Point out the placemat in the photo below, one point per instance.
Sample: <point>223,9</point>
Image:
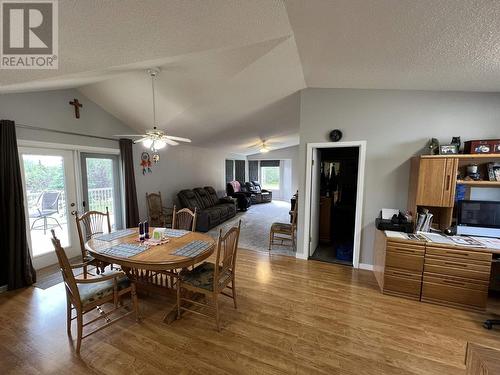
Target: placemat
<point>192,249</point>
<point>124,250</point>
<point>115,235</point>
<point>175,233</point>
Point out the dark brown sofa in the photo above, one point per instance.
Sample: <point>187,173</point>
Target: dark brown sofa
<point>211,209</point>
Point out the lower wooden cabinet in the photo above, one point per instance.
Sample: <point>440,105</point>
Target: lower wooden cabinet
<point>445,275</point>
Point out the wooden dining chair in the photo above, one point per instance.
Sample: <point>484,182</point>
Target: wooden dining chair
<point>90,224</point>
<point>158,215</point>
<point>184,219</point>
<point>211,279</point>
<point>284,232</point>
<point>86,295</point>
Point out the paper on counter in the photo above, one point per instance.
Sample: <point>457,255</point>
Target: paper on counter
<point>491,243</point>
<point>394,234</point>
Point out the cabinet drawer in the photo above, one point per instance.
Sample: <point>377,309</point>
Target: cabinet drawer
<point>453,294</point>
<point>402,283</point>
<point>456,281</point>
<point>398,259</point>
<point>457,267</point>
<point>410,248</point>
<point>459,254</point>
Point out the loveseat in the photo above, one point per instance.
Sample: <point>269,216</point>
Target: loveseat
<point>259,195</point>
<point>211,210</point>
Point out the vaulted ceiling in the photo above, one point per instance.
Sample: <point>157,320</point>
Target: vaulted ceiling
<point>231,70</point>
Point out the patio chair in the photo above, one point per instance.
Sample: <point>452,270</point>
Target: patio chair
<point>47,205</point>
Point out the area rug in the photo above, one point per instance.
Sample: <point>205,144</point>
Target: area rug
<point>255,225</point>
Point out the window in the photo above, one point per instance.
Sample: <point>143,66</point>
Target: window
<point>270,177</point>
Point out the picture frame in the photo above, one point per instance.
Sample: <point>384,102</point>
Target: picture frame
<point>448,149</point>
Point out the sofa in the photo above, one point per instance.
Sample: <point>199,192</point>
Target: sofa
<point>259,195</point>
<point>211,210</point>
<point>234,189</point>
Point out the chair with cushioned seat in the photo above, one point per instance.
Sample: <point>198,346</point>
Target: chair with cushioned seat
<point>284,232</point>
<point>86,295</point>
<point>211,279</point>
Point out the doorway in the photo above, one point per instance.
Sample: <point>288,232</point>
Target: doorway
<point>50,197</point>
<point>333,201</point>
<point>57,182</point>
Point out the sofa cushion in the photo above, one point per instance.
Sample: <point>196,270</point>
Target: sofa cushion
<point>189,199</point>
<point>213,215</point>
<point>212,195</point>
<point>203,197</point>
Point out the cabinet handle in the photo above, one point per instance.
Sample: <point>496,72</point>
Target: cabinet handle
<point>401,274</point>
<point>448,182</point>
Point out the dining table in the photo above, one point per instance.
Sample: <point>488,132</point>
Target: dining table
<point>153,266</point>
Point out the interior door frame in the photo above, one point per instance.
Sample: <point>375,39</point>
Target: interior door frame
<point>118,214</point>
<point>70,181</point>
<point>359,194</point>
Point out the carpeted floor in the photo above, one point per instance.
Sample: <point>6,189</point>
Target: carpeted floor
<point>255,225</point>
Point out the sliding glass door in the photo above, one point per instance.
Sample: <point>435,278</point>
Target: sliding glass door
<point>101,185</point>
<point>50,197</point>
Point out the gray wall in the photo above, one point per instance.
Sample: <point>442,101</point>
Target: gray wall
<point>180,167</point>
<point>396,125</point>
<point>291,153</point>
<point>50,110</point>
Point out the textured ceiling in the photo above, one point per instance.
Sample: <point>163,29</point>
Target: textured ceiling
<point>231,70</point>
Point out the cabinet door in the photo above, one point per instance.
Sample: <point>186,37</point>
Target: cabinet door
<point>436,182</point>
<point>450,182</point>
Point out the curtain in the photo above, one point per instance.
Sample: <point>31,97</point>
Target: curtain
<point>15,260</point>
<point>270,163</point>
<point>240,170</point>
<point>229,170</point>
<point>253,170</point>
<point>131,206</point>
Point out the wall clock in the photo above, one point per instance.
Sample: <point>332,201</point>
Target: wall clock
<point>335,135</point>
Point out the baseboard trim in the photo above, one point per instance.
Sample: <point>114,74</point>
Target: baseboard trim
<point>301,256</point>
<point>3,288</point>
<point>365,266</point>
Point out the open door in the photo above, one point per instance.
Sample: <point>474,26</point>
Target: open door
<point>315,190</point>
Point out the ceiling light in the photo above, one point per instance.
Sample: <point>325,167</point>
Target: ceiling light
<point>159,144</point>
<point>264,149</point>
<point>148,143</point>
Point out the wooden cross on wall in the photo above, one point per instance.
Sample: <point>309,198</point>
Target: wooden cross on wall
<point>75,103</point>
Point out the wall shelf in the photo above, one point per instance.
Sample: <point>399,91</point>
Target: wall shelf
<point>479,183</point>
<point>463,156</point>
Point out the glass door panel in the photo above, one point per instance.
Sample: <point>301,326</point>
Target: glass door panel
<point>49,185</point>
<point>101,186</point>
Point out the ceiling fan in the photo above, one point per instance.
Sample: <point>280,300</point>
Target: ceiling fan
<point>264,146</point>
<point>155,139</point>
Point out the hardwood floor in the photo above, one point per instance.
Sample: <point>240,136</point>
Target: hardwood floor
<point>293,317</point>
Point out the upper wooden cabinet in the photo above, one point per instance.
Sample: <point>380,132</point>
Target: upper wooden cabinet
<point>433,181</point>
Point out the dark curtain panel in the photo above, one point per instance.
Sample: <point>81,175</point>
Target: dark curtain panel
<point>253,170</point>
<point>229,170</point>
<point>270,163</point>
<point>240,170</point>
<point>131,207</point>
<point>15,260</point>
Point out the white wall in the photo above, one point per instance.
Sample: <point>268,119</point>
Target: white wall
<point>396,124</point>
<point>288,153</point>
<point>180,167</point>
<point>51,110</point>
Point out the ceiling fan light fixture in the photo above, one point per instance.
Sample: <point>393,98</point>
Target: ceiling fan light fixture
<point>148,143</point>
<point>263,150</point>
<point>159,144</point>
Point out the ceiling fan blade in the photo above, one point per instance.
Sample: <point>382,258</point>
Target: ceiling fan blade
<point>170,142</point>
<point>180,139</point>
<point>141,139</point>
<point>129,135</point>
